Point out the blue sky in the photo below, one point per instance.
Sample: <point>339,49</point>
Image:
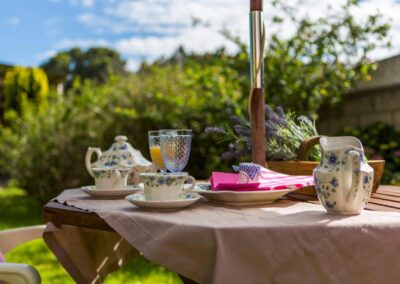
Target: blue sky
<point>33,30</point>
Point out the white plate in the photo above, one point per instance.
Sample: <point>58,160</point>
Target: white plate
<point>139,200</point>
<point>110,193</point>
<point>240,198</point>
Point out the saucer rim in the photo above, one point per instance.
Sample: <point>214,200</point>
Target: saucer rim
<point>127,188</point>
<point>195,197</point>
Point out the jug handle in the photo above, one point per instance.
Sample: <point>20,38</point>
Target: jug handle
<point>355,163</point>
<point>88,158</point>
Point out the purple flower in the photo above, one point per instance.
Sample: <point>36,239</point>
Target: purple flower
<point>215,130</point>
<point>237,119</point>
<point>242,131</point>
<point>397,154</point>
<point>332,159</point>
<point>280,112</point>
<point>334,182</point>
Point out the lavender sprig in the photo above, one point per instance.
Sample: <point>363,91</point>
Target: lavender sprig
<point>284,134</point>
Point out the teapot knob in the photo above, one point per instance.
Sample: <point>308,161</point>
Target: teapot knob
<point>121,139</point>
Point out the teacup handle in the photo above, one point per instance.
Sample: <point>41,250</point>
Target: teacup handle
<point>192,183</point>
<point>88,157</point>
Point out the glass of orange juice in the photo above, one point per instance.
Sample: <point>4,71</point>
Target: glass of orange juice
<point>155,149</point>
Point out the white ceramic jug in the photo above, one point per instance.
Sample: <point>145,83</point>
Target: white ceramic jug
<point>343,179</point>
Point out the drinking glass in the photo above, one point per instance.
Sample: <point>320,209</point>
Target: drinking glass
<point>175,148</point>
<point>155,150</point>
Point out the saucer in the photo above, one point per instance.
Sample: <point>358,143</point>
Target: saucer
<point>139,200</point>
<point>110,193</point>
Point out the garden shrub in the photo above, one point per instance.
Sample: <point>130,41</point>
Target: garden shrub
<point>44,151</point>
<point>381,141</point>
<point>22,85</point>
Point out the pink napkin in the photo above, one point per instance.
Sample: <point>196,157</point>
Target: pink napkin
<point>269,180</point>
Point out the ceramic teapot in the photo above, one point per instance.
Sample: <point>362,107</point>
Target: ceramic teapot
<point>343,179</point>
<point>121,155</point>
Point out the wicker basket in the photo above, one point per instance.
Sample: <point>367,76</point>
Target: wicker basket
<point>302,167</point>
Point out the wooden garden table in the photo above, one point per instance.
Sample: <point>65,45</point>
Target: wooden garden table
<point>61,216</point>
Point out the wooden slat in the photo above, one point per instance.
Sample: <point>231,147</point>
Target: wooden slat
<point>376,207</point>
<point>391,190</point>
<point>61,214</point>
<point>392,204</point>
<point>386,197</point>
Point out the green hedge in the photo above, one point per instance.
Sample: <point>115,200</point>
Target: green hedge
<point>381,141</point>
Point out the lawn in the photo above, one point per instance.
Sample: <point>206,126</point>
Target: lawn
<point>18,209</point>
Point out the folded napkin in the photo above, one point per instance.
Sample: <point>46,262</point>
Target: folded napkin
<point>267,180</point>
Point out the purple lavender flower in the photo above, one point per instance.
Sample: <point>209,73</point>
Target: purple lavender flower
<point>229,155</point>
<point>303,118</point>
<point>280,112</point>
<point>268,112</point>
<point>237,120</point>
<point>270,127</point>
<point>242,131</point>
<point>215,130</point>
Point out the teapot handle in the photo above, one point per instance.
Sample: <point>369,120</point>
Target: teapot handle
<point>355,168</point>
<point>88,158</point>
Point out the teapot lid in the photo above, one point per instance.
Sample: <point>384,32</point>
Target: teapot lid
<point>119,155</point>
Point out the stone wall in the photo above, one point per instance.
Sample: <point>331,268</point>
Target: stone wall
<point>377,100</point>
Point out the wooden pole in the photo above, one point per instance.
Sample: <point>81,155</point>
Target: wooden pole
<point>257,99</point>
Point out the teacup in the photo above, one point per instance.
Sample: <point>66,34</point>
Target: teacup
<point>166,186</point>
<point>110,178</point>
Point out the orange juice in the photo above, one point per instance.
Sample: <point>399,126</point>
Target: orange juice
<point>156,156</point>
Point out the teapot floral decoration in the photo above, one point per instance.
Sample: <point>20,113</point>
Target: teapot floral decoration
<point>121,155</point>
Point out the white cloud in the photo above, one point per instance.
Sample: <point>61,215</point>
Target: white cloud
<point>152,28</point>
<point>84,3</point>
<point>192,39</point>
<point>13,21</point>
<point>88,3</point>
<point>82,43</point>
<point>45,55</point>
<point>133,64</point>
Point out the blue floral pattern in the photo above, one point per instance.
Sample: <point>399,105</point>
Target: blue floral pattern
<point>121,155</point>
<point>159,179</point>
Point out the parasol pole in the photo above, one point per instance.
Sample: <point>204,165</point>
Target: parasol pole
<point>256,99</point>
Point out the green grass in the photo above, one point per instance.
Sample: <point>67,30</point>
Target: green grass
<point>18,210</point>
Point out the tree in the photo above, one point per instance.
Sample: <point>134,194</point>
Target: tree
<point>324,58</point>
<point>97,64</point>
<point>23,85</point>
<point>317,65</point>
